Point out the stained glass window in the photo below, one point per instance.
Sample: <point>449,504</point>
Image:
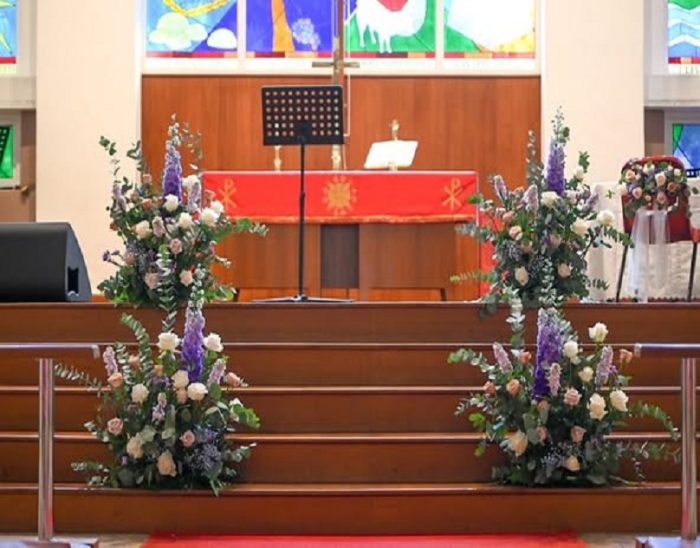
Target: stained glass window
<point>686,144</point>
<point>191,28</point>
<point>390,28</point>
<point>289,28</point>
<point>683,33</point>
<point>8,37</point>
<point>7,153</point>
<point>489,28</point>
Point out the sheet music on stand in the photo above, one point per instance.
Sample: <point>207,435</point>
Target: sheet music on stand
<point>392,154</point>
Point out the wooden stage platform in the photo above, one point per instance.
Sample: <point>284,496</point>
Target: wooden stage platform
<point>358,428</point>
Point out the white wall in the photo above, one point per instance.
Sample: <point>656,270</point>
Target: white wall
<point>88,84</point>
<point>593,67</point>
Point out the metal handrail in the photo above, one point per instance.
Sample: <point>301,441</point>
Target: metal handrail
<point>44,352</point>
<point>688,353</point>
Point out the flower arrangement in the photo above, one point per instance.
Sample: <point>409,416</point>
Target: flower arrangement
<point>541,234</point>
<point>659,183</point>
<point>552,413</point>
<point>167,411</point>
<point>169,231</point>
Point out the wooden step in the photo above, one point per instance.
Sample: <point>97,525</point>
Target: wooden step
<point>318,458</point>
<point>442,322</point>
<point>319,408</point>
<point>349,509</point>
<point>342,364</point>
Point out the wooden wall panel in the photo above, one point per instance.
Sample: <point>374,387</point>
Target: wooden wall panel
<point>460,123</point>
<point>477,123</point>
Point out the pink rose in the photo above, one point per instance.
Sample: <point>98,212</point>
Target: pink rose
<point>129,258</point>
<point>572,397</point>
<point>175,246</point>
<point>508,217</point>
<point>158,370</point>
<point>134,360</point>
<point>555,240</point>
<point>181,395</point>
<point>525,356</point>
<point>489,388</point>
<point>188,439</point>
<point>647,198</point>
<point>671,187</point>
<point>513,387</point>
<point>661,198</point>
<point>629,175</point>
<point>637,193</point>
<point>542,433</point>
<point>515,232</point>
<point>543,406</point>
<point>115,426</point>
<point>660,179</point>
<point>625,356</point>
<point>577,434</point>
<point>115,380</point>
<point>232,379</point>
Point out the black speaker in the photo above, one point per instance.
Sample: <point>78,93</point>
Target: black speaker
<point>41,262</point>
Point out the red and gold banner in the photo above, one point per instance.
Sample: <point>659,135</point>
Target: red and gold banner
<point>347,196</point>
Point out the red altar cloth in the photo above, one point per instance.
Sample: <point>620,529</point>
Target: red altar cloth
<point>347,196</point>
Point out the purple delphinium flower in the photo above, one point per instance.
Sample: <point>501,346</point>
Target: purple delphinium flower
<point>193,343</point>
<point>217,371</point>
<point>603,370</point>
<point>531,200</point>
<point>555,168</point>
<point>172,172</point>
<point>502,357</point>
<point>548,350</point>
<point>110,359</point>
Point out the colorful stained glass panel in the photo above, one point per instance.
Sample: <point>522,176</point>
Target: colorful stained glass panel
<point>490,28</point>
<point>191,28</point>
<point>7,152</point>
<point>8,37</point>
<point>684,32</point>
<point>289,28</point>
<point>398,28</point>
<point>686,144</point>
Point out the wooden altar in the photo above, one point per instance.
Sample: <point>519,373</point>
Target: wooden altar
<point>368,235</point>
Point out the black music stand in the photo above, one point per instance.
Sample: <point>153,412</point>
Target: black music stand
<point>302,115</point>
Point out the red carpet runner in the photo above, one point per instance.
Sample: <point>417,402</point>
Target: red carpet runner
<point>423,541</point>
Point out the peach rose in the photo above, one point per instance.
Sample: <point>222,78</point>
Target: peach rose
<point>513,387</point>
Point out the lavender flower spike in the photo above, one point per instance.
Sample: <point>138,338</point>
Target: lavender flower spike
<point>193,343</point>
<point>499,186</point>
<point>548,350</point>
<point>110,359</point>
<point>531,199</point>
<point>502,358</point>
<point>555,168</point>
<point>554,379</point>
<point>604,367</point>
<point>217,371</point>
<point>172,172</point>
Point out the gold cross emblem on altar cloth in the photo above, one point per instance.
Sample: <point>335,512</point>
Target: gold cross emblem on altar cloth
<point>454,190</point>
<point>339,195</point>
<point>226,192</point>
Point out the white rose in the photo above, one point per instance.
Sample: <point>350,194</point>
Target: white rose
<point>571,196</point>
<point>180,379</point>
<point>549,198</point>
<point>139,393</point>
<point>217,206</point>
<point>564,270</point>
<point>596,407</point>
<point>572,464</point>
<point>621,189</point>
<point>605,218</point>
<point>134,447</point>
<point>171,203</point>
<point>186,278</point>
<point>571,349</point>
<point>209,216</point>
<point>579,173</point>
<point>598,332</point>
<point>618,399</point>
<point>142,230</point>
<point>517,442</point>
<point>586,374</point>
<point>166,464</point>
<point>580,227</point>
<point>213,342</point>
<point>184,221</point>
<point>189,181</point>
<point>196,391</point>
<point>168,342</point>
<point>521,275</point>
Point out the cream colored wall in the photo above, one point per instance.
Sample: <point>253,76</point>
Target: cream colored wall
<point>88,84</point>
<point>593,67</point>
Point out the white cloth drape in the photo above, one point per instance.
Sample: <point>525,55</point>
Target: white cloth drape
<point>604,263</point>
